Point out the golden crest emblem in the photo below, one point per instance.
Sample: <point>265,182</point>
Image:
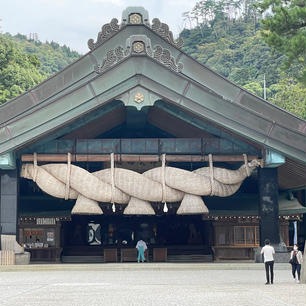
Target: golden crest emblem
<point>139,97</point>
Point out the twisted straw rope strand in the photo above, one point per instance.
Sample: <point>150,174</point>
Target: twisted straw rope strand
<point>97,186</point>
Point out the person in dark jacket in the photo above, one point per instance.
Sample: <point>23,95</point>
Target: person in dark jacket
<point>296,259</point>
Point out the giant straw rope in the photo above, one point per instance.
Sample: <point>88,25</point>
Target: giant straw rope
<point>122,186</point>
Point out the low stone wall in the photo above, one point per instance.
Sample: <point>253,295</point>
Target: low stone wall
<point>22,258</point>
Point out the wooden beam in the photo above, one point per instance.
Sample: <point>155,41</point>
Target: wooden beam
<point>132,158</point>
<point>117,158</point>
<point>47,157</point>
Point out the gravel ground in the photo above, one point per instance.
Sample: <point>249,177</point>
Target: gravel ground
<point>220,284</point>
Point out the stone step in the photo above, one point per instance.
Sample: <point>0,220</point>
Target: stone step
<point>190,258</point>
<point>170,258</point>
<point>82,259</point>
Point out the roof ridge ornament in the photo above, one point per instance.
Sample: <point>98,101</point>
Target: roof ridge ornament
<point>134,16</point>
<point>162,29</point>
<point>108,30</point>
<point>112,57</point>
<point>165,57</point>
<point>139,45</point>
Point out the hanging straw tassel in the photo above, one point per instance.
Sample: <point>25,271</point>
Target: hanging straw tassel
<point>247,169</point>
<point>112,182</point>
<point>85,206</point>
<point>192,205</point>
<point>211,173</point>
<point>138,207</point>
<point>165,209</point>
<point>67,187</point>
<point>112,173</point>
<point>35,167</point>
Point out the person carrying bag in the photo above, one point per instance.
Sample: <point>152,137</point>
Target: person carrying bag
<point>296,259</point>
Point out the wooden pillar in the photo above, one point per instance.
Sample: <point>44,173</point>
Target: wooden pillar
<point>268,205</point>
<point>8,201</point>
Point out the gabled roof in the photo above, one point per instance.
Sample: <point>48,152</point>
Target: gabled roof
<point>138,57</point>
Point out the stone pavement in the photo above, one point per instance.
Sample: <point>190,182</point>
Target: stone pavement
<point>221,284</point>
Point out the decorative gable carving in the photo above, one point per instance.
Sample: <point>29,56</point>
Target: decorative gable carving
<point>165,57</point>
<point>112,57</point>
<point>139,44</point>
<point>162,29</point>
<point>107,31</point>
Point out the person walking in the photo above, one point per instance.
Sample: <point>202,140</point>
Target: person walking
<point>296,259</point>
<point>268,252</point>
<point>141,246</point>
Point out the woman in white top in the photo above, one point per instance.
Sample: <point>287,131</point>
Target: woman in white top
<point>296,259</point>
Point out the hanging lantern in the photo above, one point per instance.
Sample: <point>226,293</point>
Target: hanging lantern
<point>113,208</point>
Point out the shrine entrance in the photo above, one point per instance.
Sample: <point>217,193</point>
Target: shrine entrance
<point>184,238</point>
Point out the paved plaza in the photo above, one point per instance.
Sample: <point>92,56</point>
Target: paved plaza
<point>222,284</point>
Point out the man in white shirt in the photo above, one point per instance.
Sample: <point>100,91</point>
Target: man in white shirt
<point>268,252</point>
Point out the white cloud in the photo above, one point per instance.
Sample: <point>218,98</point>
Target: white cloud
<point>119,3</point>
<point>73,22</point>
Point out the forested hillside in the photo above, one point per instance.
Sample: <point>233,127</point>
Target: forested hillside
<point>24,63</point>
<point>227,36</point>
<point>19,71</point>
<point>51,55</point>
<point>237,53</point>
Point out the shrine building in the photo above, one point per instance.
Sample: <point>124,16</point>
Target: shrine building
<point>138,140</point>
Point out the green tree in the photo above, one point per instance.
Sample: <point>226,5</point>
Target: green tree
<point>290,96</point>
<point>255,88</point>
<point>18,71</point>
<point>25,63</point>
<point>285,29</point>
<point>52,56</point>
<point>238,52</point>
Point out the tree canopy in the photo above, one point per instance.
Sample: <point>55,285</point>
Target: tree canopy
<point>51,55</point>
<point>25,63</point>
<point>284,29</point>
<point>18,71</point>
<point>230,42</point>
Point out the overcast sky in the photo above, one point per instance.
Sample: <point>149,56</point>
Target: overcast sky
<point>73,22</point>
